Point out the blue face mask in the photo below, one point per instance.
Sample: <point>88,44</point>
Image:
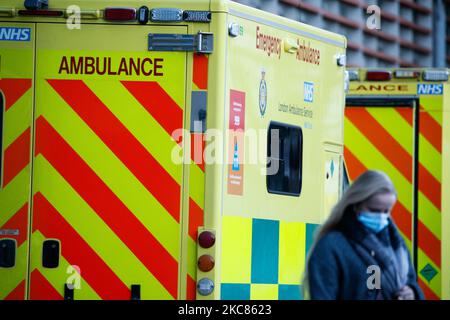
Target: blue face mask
<point>373,220</point>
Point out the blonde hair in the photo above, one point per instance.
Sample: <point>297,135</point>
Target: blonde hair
<point>364,187</point>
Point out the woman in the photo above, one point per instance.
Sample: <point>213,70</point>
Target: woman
<point>358,252</point>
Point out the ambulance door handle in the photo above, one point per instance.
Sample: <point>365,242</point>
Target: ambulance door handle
<point>50,253</point>
<point>7,253</point>
<point>135,292</point>
<point>68,292</point>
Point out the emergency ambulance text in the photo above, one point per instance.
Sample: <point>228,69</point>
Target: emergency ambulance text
<point>269,44</point>
<point>106,66</point>
<point>307,54</point>
<point>386,87</point>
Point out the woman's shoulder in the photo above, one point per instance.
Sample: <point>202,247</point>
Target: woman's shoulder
<point>333,241</point>
<point>329,248</point>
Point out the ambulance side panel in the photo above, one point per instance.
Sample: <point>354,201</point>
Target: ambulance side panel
<point>17,47</point>
<point>286,78</point>
<point>430,266</point>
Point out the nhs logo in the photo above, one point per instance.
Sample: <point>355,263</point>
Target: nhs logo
<point>15,34</point>
<point>425,88</point>
<point>308,91</point>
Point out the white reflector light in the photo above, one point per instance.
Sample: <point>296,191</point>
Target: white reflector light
<point>353,75</point>
<point>435,75</point>
<point>205,286</point>
<point>166,15</point>
<point>406,74</point>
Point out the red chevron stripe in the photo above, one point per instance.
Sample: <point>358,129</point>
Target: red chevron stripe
<point>158,103</point>
<point>41,289</point>
<point>13,89</point>
<point>429,241</point>
<point>429,294</point>
<point>107,205</point>
<point>431,130</point>
<point>200,76</point>
<point>195,218</point>
<point>403,219</point>
<point>191,288</point>
<point>354,166</point>
<point>382,140</point>
<point>121,142</point>
<point>76,251</point>
<point>400,214</point>
<point>18,293</point>
<point>406,113</point>
<point>17,156</point>
<point>19,221</point>
<point>394,152</point>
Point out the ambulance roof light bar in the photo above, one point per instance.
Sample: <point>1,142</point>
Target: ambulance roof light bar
<point>40,12</point>
<point>178,15</point>
<point>435,75</point>
<point>353,75</point>
<point>39,8</point>
<point>35,4</point>
<point>406,74</point>
<point>166,15</point>
<point>378,75</point>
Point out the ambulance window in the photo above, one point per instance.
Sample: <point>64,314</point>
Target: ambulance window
<point>284,159</point>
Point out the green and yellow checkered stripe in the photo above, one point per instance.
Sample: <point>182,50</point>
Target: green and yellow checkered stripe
<point>263,259</point>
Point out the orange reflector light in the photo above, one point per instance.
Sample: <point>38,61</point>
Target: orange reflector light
<point>120,14</point>
<point>378,75</point>
<point>48,13</point>
<point>206,239</point>
<point>205,263</point>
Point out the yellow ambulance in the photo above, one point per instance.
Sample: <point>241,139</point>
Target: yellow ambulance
<point>398,121</point>
<point>163,149</point>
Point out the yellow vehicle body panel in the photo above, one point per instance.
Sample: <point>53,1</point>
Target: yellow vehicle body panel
<point>445,241</point>
<point>16,83</point>
<point>273,231</point>
<point>107,209</point>
<point>398,126</point>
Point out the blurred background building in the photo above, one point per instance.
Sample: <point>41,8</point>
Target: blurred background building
<point>412,32</point>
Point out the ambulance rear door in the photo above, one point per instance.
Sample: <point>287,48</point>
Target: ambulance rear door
<point>17,43</point>
<point>107,206</point>
<point>395,134</point>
